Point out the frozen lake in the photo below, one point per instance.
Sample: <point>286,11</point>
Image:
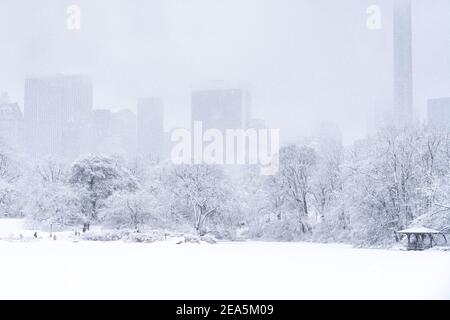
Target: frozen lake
<point>47,269</point>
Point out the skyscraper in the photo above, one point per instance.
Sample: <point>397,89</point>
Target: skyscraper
<point>113,133</point>
<point>10,122</point>
<point>102,133</point>
<point>221,105</point>
<point>57,114</point>
<point>150,128</point>
<point>123,128</point>
<point>403,83</point>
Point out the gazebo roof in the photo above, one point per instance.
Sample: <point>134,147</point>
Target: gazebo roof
<point>419,230</point>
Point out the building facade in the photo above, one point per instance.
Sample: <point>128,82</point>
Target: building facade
<point>11,123</point>
<point>221,105</point>
<point>57,114</point>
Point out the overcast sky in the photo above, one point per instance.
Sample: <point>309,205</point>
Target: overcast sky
<point>307,60</point>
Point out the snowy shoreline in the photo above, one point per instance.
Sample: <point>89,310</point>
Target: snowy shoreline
<point>12,230</point>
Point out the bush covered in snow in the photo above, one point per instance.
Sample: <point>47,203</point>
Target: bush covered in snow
<point>106,235</point>
<point>148,237</point>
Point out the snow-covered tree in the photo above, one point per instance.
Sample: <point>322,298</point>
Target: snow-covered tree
<point>131,209</point>
<point>10,201</point>
<point>54,204</point>
<point>296,171</point>
<point>385,183</point>
<point>51,170</point>
<point>10,169</point>
<point>327,181</point>
<point>96,178</point>
<point>199,190</point>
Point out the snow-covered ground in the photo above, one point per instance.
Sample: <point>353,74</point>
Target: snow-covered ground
<point>249,270</point>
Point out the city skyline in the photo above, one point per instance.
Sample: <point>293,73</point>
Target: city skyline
<point>322,59</point>
<point>59,119</point>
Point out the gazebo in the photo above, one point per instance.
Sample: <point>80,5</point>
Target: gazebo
<point>420,234</point>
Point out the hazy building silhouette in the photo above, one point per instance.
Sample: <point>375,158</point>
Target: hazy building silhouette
<point>169,144</point>
<point>123,131</point>
<point>102,135</point>
<point>221,105</point>
<point>328,132</point>
<point>11,122</point>
<point>255,123</point>
<point>438,113</point>
<point>403,83</point>
<point>150,128</point>
<point>114,133</point>
<point>380,116</point>
<point>57,114</point>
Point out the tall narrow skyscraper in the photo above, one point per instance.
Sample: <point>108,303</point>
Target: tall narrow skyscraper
<point>403,83</point>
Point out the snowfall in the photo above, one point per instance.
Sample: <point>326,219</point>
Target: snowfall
<point>64,269</point>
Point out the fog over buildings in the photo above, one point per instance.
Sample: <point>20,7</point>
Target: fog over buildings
<point>307,61</point>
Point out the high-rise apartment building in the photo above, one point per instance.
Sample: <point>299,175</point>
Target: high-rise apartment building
<point>57,115</point>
